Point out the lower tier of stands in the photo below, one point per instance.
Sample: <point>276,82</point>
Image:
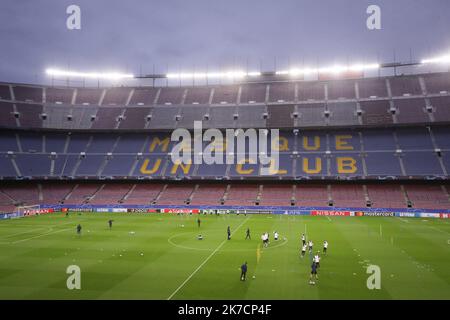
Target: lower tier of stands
<point>386,195</point>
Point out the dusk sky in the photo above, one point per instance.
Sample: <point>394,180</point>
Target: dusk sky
<point>185,35</point>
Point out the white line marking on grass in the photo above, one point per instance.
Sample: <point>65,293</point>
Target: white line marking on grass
<point>437,229</point>
<point>23,232</point>
<point>49,228</point>
<point>205,261</point>
<point>9,225</point>
<point>170,240</point>
<point>41,235</point>
<point>185,247</point>
<point>329,219</point>
<point>278,245</point>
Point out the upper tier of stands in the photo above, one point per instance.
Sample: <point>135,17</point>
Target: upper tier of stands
<point>411,99</point>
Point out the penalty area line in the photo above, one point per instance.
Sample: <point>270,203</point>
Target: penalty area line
<point>205,261</point>
<point>41,235</point>
<point>25,232</point>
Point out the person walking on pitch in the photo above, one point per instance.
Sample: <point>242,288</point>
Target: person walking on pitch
<point>243,271</point>
<point>247,236</point>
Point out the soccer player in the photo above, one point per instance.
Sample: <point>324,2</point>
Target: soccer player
<point>266,239</point>
<point>310,245</point>
<point>110,223</point>
<point>198,222</point>
<point>79,229</point>
<point>275,236</point>
<point>313,273</point>
<point>317,260</point>
<point>325,247</point>
<point>247,236</point>
<point>303,239</point>
<point>228,233</point>
<point>243,271</point>
<point>303,250</point>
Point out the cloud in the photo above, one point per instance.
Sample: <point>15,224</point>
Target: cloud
<point>181,34</point>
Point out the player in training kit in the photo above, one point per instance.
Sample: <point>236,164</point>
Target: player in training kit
<point>303,250</point>
<point>265,240</point>
<point>303,239</point>
<point>198,222</point>
<point>275,236</point>
<point>79,229</point>
<point>317,260</point>
<point>310,245</point>
<point>243,271</point>
<point>228,233</point>
<point>110,223</point>
<point>325,247</point>
<point>247,236</point>
<point>313,273</point>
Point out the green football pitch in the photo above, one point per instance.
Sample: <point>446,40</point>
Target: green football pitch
<point>158,256</point>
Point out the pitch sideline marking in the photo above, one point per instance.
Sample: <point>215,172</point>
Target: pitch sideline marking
<point>205,261</point>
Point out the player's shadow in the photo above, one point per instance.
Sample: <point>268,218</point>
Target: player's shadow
<point>240,288</point>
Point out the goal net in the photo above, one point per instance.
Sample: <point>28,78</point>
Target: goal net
<point>24,211</point>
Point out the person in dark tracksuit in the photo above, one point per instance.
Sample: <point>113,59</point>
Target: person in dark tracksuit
<point>243,271</point>
<point>248,234</point>
<point>79,229</point>
<point>313,277</point>
<point>110,223</point>
<point>229,233</point>
<point>198,222</point>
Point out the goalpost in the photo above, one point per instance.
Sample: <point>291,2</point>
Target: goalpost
<point>24,211</point>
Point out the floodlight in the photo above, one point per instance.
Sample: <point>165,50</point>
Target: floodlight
<point>441,59</point>
<point>92,75</point>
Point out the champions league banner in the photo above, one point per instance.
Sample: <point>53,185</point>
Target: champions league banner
<point>186,209</point>
<point>332,213</point>
<point>33,212</point>
<point>374,214</point>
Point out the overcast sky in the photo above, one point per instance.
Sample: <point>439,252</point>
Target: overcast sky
<point>136,35</point>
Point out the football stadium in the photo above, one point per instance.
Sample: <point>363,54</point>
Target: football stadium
<point>329,182</point>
